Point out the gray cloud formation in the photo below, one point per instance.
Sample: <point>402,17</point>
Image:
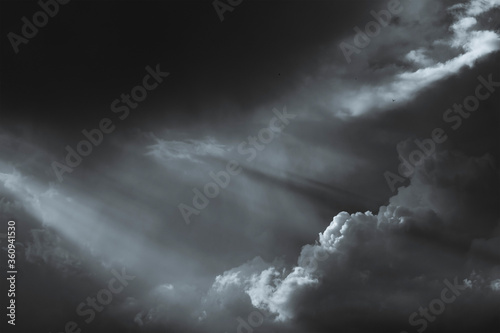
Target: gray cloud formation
<point>378,265</point>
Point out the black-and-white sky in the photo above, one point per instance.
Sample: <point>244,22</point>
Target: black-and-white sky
<point>355,148</point>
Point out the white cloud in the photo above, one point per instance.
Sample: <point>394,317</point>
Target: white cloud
<point>475,7</point>
<point>403,87</point>
<point>419,57</point>
<point>357,251</point>
<point>495,285</point>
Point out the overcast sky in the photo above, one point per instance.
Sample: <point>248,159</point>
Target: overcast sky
<point>251,166</point>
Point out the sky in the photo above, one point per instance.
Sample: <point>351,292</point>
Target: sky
<point>250,166</point>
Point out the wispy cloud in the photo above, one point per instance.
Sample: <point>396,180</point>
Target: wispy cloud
<point>190,149</point>
<point>467,38</point>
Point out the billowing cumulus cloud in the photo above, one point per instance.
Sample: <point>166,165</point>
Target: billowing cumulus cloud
<point>381,266</point>
<point>391,260</point>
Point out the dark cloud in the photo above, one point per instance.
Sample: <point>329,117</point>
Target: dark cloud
<point>253,255</point>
